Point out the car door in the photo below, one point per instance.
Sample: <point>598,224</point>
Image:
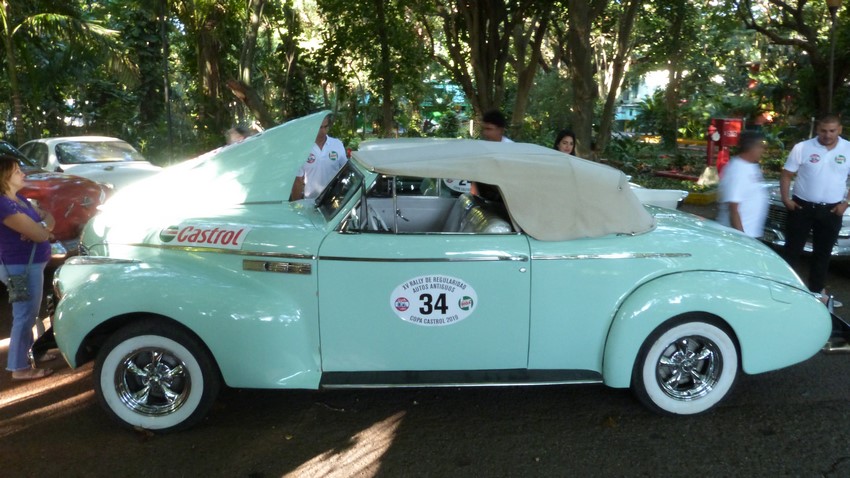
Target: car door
<point>416,302</point>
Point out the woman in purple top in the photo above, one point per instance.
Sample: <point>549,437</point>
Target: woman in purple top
<point>23,226</point>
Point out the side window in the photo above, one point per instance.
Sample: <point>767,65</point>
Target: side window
<point>408,206</point>
<point>36,152</point>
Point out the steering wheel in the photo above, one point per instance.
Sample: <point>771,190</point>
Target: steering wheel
<point>376,222</point>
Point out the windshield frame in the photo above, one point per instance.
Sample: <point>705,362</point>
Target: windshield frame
<point>337,193</point>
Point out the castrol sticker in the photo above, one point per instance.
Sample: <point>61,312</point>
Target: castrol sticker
<point>204,235</point>
<point>433,300</point>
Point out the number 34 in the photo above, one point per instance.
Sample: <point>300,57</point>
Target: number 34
<point>429,304</point>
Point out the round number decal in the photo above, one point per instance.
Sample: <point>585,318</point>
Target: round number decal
<point>433,300</point>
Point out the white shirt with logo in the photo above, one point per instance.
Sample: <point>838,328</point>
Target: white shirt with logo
<point>321,166</point>
<point>743,183</point>
<point>821,173</point>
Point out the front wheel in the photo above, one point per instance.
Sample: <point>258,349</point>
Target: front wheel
<point>155,376</point>
<point>685,368</point>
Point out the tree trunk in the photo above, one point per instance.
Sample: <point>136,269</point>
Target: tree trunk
<point>246,56</point>
<point>211,109</point>
<point>670,125</point>
<point>386,73</point>
<point>477,38</point>
<point>525,63</point>
<point>619,67</point>
<point>581,70</point>
<point>12,66</point>
<point>249,97</point>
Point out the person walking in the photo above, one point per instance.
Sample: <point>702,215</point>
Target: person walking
<point>326,158</point>
<point>819,167</point>
<point>24,250</point>
<point>743,200</point>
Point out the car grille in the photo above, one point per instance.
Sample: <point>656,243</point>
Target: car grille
<point>777,217</point>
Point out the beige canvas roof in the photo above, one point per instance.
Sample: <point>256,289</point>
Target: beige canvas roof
<point>552,196</point>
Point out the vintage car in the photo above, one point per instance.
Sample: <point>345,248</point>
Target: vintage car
<point>71,200</point>
<point>101,158</point>
<point>777,217</point>
<point>564,278</point>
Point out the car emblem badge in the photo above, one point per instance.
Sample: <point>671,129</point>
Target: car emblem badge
<point>815,158</point>
<point>168,234</point>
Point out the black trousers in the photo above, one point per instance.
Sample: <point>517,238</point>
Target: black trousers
<point>824,226</point>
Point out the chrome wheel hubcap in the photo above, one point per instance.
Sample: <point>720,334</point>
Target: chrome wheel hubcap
<point>689,368</point>
<point>152,382</point>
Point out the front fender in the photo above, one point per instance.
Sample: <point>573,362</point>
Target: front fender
<point>775,325</point>
<point>262,330</point>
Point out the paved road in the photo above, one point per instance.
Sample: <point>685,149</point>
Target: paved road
<point>792,422</point>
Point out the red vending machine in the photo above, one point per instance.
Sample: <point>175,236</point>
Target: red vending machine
<point>722,134</point>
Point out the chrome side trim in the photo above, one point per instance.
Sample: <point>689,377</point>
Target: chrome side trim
<point>274,266</point>
<point>426,259</point>
<point>98,260</point>
<point>219,250</point>
<point>626,255</point>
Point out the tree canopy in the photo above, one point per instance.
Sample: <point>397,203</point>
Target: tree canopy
<point>171,76</point>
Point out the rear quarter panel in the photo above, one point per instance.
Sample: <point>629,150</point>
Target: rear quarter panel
<point>775,325</point>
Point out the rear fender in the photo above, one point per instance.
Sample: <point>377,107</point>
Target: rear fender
<point>764,316</point>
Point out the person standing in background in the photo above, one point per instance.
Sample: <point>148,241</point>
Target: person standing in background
<point>565,142</point>
<point>743,200</point>
<point>819,167</point>
<point>24,249</point>
<point>326,158</point>
<point>493,124</point>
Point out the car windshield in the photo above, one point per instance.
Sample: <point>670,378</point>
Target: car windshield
<point>338,192</point>
<point>8,149</point>
<point>76,152</point>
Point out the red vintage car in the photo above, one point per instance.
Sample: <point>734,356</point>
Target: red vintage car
<point>71,199</point>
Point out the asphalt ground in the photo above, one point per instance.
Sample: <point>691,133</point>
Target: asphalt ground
<point>791,422</point>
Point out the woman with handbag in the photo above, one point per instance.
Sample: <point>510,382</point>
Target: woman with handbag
<point>24,252</point>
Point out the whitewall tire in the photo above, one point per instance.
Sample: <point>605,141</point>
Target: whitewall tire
<point>155,376</point>
<point>686,367</point>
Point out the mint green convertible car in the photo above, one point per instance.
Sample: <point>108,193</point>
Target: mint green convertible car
<point>205,275</point>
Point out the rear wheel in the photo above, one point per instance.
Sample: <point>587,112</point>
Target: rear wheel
<point>155,376</point>
<point>686,368</point>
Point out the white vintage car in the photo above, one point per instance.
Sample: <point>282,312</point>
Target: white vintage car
<point>564,278</point>
<point>103,159</point>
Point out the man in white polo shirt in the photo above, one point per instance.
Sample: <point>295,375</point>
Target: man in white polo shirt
<point>325,159</point>
<point>821,168</point>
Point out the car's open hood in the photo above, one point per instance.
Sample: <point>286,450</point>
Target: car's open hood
<point>256,171</point>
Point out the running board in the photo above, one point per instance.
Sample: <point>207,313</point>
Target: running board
<point>457,378</point>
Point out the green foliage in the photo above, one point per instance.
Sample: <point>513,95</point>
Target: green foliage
<point>449,125</point>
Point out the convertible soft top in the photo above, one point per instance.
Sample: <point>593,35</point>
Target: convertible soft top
<point>552,196</point>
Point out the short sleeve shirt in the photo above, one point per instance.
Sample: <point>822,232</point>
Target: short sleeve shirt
<point>14,249</point>
<point>321,166</point>
<point>821,173</point>
<point>742,183</point>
